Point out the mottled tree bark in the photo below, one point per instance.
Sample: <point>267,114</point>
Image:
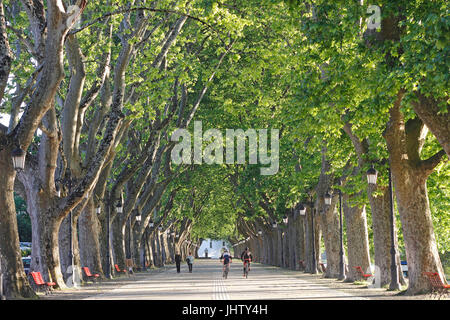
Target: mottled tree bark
<point>329,219</point>
<point>89,243</point>
<point>357,239</point>
<point>380,210</point>
<point>409,174</point>
<point>381,226</point>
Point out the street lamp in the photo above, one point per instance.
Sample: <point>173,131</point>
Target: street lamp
<point>18,158</point>
<point>119,206</point>
<point>138,216</point>
<point>274,224</point>
<point>129,237</point>
<point>327,199</point>
<point>372,180</point>
<point>372,176</point>
<point>302,209</point>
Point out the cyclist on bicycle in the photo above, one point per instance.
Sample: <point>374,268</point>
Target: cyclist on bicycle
<point>226,257</point>
<point>246,257</point>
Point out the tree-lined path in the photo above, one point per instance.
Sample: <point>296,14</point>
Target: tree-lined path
<point>206,283</point>
<point>132,130</point>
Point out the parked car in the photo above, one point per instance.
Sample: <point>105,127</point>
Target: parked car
<point>404,266</point>
<point>26,264</point>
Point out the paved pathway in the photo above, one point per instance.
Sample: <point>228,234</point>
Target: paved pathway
<point>206,283</point>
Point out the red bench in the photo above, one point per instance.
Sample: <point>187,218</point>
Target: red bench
<point>437,286</point>
<point>362,274</point>
<point>89,275</point>
<point>302,265</point>
<point>39,281</point>
<point>118,269</point>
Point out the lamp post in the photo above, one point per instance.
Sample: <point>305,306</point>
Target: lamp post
<point>372,180</point>
<point>341,235</point>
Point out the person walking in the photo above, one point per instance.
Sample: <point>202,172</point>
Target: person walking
<point>178,261</point>
<point>190,261</point>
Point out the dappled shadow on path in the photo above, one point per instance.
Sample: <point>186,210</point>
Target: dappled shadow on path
<point>205,283</point>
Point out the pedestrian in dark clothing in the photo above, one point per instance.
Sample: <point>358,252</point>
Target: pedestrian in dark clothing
<point>178,261</point>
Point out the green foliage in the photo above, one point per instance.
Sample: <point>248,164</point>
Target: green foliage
<point>302,67</point>
<point>23,219</point>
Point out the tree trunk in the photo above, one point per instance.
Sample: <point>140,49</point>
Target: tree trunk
<point>50,248</point>
<point>118,242</point>
<point>329,224</point>
<point>279,247</point>
<point>380,209</point>
<point>135,248</point>
<point>381,226</point>
<point>309,242</point>
<point>88,225</point>
<point>418,232</point>
<point>409,174</point>
<point>15,282</point>
<point>299,241</point>
<point>66,237</point>
<point>427,108</point>
<point>357,239</point>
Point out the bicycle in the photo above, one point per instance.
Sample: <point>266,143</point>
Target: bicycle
<point>226,269</point>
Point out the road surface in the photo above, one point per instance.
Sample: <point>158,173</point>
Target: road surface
<point>206,283</point>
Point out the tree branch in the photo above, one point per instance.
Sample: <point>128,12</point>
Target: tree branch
<point>429,164</point>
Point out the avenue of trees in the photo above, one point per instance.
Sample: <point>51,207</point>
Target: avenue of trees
<point>95,89</point>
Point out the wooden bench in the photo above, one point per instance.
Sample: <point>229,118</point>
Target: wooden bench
<point>118,269</point>
<point>40,283</point>
<point>89,275</point>
<point>363,275</point>
<point>437,286</point>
